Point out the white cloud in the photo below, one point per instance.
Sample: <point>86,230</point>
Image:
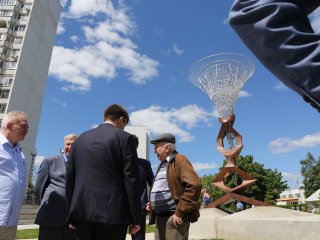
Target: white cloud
<point>108,50</point>
<point>315,20</point>
<point>173,50</point>
<point>280,86</point>
<point>159,32</point>
<point>84,8</point>
<point>176,121</point>
<point>243,93</point>
<point>294,179</point>
<point>204,166</point>
<point>60,28</point>
<point>67,68</point>
<point>177,50</point>
<point>63,2</point>
<point>59,102</point>
<point>80,8</point>
<point>74,38</point>
<point>286,144</point>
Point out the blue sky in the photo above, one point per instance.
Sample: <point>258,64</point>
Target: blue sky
<point>138,53</point>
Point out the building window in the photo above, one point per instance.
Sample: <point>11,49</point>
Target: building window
<point>4,51</point>
<point>11,26</point>
<point>4,93</point>
<point>6,81</point>
<point>3,108</point>
<point>20,28</point>
<point>22,17</point>
<point>10,65</point>
<point>17,40</point>
<point>14,52</point>
<point>3,24</point>
<point>9,39</point>
<point>27,5</point>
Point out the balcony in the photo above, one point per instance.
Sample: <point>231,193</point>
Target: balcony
<point>6,81</point>
<point>5,13</point>
<point>8,2</point>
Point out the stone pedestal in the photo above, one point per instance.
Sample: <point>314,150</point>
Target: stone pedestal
<point>206,226</point>
<point>258,223</point>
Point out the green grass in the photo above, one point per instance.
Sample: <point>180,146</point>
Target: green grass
<point>27,233</point>
<point>150,228</point>
<point>33,233</point>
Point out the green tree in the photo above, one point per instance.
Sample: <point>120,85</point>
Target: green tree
<point>310,170</point>
<point>207,183</point>
<point>267,188</point>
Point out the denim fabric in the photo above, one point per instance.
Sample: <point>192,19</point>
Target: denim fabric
<point>279,33</point>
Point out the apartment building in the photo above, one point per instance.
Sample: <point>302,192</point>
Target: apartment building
<point>27,33</point>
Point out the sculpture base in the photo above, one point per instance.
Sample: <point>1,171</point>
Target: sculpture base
<point>263,223</point>
<point>231,196</point>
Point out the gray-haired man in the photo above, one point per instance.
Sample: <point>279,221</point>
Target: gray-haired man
<point>175,191</point>
<point>50,191</point>
<point>14,128</point>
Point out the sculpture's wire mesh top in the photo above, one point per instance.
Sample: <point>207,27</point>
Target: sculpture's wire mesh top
<point>222,76</point>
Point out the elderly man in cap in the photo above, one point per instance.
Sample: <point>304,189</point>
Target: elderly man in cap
<point>174,193</point>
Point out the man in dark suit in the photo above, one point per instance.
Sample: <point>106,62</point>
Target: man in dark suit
<point>50,191</point>
<point>102,187</point>
<point>146,178</point>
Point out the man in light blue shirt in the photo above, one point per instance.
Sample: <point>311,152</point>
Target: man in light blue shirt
<point>14,128</point>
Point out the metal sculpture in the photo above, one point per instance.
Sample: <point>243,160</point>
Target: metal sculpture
<point>222,76</point>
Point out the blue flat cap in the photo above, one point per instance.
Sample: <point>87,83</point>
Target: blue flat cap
<point>164,138</point>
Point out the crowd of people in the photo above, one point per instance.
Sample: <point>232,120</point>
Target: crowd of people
<point>98,187</point>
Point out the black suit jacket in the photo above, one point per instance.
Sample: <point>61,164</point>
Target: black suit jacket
<point>50,191</point>
<point>146,178</point>
<point>103,177</point>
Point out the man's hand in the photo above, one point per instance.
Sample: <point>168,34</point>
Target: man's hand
<point>176,220</point>
<point>133,228</point>
<point>71,226</point>
<point>148,206</point>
